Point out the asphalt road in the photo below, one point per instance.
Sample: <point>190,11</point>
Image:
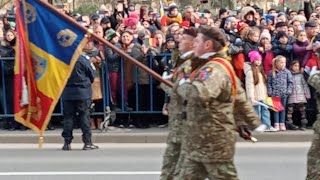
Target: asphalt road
<point>261,161</point>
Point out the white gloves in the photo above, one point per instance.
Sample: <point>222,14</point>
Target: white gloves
<point>314,70</point>
<point>167,76</point>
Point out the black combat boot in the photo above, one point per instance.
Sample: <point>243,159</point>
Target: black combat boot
<point>66,147</point>
<point>90,147</point>
<point>291,126</point>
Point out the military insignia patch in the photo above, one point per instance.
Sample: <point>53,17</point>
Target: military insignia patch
<point>205,73</point>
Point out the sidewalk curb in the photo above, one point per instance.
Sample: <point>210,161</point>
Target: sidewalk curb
<point>143,137</point>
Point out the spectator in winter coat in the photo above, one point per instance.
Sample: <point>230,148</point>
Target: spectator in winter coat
<point>280,85</point>
<point>247,15</point>
<point>252,42</point>
<point>267,54</point>
<point>282,47</point>
<point>302,49</point>
<point>298,98</point>
<point>172,16</point>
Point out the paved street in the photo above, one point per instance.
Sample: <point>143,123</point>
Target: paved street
<point>261,161</point>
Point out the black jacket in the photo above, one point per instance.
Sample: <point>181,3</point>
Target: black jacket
<point>79,84</point>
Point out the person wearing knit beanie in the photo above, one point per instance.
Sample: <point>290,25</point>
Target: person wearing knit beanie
<point>265,35</point>
<point>110,34</point>
<point>254,56</point>
<point>134,15</point>
<point>241,26</point>
<point>130,22</point>
<point>242,29</point>
<point>281,34</point>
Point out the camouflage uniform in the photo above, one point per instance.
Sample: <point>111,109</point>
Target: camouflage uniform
<point>175,107</point>
<point>313,167</point>
<point>210,141</point>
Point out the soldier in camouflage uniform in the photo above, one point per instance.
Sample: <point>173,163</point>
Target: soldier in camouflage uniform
<point>313,167</point>
<point>176,106</point>
<point>212,95</point>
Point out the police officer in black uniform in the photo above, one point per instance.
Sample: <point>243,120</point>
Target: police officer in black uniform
<point>76,102</point>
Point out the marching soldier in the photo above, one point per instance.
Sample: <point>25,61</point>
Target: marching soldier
<point>176,106</point>
<point>212,95</point>
<point>313,167</point>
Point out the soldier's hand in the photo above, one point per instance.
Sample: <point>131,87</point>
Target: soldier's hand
<point>166,76</point>
<point>244,132</point>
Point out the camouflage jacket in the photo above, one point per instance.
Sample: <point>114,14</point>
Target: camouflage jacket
<point>211,106</point>
<point>176,106</point>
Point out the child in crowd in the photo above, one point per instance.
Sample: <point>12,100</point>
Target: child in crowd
<point>251,42</point>
<point>301,48</point>
<point>169,45</point>
<point>298,98</point>
<point>282,46</point>
<point>256,87</point>
<point>267,54</point>
<point>280,85</point>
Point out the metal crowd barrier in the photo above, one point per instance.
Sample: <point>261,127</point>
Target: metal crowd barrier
<point>105,91</point>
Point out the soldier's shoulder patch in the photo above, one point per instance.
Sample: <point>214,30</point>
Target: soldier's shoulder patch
<point>205,73</point>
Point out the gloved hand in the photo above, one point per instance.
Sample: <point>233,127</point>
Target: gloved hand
<point>183,81</point>
<point>167,76</point>
<point>244,132</point>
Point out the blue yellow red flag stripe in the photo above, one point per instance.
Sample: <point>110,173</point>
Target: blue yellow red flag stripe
<point>47,48</point>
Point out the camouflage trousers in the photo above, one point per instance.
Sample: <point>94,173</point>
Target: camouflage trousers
<point>193,170</point>
<point>313,166</point>
<point>170,159</point>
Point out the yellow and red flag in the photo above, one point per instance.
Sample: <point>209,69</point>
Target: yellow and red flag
<point>161,9</point>
<point>47,49</point>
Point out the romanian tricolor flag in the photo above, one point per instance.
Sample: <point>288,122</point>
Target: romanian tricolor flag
<point>161,9</point>
<point>47,48</point>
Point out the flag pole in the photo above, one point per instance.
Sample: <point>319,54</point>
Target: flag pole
<point>114,48</point>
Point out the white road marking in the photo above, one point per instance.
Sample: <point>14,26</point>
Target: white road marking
<point>66,173</point>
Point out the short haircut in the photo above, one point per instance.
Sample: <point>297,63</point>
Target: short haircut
<point>215,35</point>
<point>192,31</point>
